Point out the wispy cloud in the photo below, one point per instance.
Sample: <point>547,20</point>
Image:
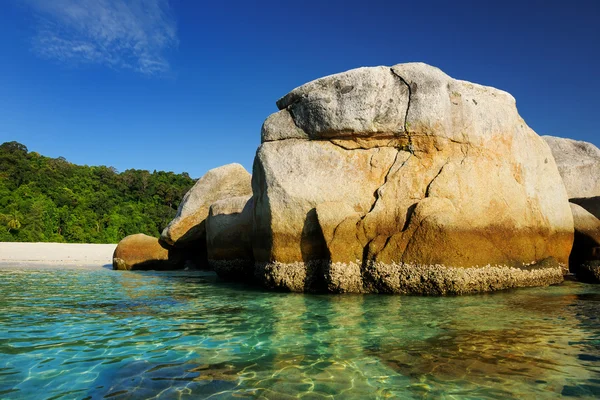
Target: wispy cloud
<point>121,34</point>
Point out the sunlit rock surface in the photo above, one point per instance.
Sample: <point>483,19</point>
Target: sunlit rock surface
<point>139,252</point>
<point>405,180</point>
<point>579,165</point>
<point>188,229</point>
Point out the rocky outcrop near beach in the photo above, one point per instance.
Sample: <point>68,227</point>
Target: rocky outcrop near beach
<point>188,229</point>
<point>390,180</point>
<point>229,238</point>
<point>403,180</point>
<point>579,166</point>
<point>142,252</point>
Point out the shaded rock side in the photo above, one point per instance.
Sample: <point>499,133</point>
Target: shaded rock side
<point>142,252</point>
<point>579,165</point>
<point>188,229</point>
<point>453,178</point>
<point>585,257</point>
<point>228,237</point>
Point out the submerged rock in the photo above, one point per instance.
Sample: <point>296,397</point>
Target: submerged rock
<point>579,166</point>
<point>228,237</point>
<point>469,358</point>
<point>188,229</point>
<point>140,252</point>
<point>405,180</point>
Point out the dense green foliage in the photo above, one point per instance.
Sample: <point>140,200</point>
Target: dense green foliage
<point>51,200</point>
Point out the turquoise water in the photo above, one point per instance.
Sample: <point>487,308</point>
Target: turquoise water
<point>73,334</point>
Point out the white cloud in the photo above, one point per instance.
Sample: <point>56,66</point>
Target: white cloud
<point>129,34</point>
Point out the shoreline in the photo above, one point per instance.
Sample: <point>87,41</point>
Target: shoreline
<point>39,255</point>
<point>48,265</point>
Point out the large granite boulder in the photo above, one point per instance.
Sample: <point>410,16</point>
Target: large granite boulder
<point>405,180</point>
<point>142,252</point>
<point>228,238</point>
<point>188,229</point>
<point>579,166</point>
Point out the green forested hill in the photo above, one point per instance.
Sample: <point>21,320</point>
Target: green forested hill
<point>51,200</point>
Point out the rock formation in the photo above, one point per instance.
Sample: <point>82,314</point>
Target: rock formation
<point>188,230</point>
<point>405,180</point>
<point>585,257</point>
<point>228,238</point>
<point>579,166</point>
<point>140,252</point>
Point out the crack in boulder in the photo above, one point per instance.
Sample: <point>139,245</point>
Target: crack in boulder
<point>435,177</point>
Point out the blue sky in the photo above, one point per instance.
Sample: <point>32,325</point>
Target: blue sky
<point>185,85</point>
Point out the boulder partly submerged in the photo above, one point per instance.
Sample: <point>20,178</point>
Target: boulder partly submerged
<point>579,166</point>
<point>142,252</point>
<point>188,229</point>
<point>585,257</point>
<point>404,180</point>
<point>229,238</point>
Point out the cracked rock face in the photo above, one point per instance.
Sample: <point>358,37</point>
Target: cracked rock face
<point>228,237</point>
<point>188,229</point>
<point>363,101</point>
<point>404,166</point>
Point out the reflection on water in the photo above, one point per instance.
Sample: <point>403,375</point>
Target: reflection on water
<point>119,335</point>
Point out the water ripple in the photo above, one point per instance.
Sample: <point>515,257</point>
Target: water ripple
<point>104,334</point>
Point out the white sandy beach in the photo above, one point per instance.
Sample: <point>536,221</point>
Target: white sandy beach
<point>55,255</point>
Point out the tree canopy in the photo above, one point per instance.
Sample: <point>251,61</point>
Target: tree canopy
<point>46,199</point>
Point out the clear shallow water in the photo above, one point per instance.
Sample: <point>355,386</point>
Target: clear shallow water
<point>73,334</point>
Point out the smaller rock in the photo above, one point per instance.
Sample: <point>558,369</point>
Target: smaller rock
<point>186,233</point>
<point>578,163</point>
<point>590,204</point>
<point>188,227</point>
<point>585,256</point>
<point>229,237</point>
<point>142,252</point>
